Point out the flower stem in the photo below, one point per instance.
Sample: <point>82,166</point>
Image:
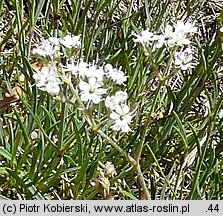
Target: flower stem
<point>144,132</point>
<point>68,81</point>
<point>117,147</point>
<point>132,161</point>
<point>142,182</point>
<point>141,145</point>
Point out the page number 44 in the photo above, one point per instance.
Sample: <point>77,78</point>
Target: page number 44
<point>213,208</point>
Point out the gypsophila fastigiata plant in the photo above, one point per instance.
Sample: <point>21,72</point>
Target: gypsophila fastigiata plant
<point>128,105</point>
<point>92,86</point>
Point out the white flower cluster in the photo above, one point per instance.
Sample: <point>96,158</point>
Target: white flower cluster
<point>120,112</point>
<point>47,80</point>
<point>92,82</point>
<point>51,46</point>
<point>176,35</point>
<point>48,48</point>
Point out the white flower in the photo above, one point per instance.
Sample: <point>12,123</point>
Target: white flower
<point>166,37</point>
<point>34,135</point>
<point>171,37</point>
<point>71,67</point>
<point>181,31</point>
<point>47,80</point>
<point>118,76</point>
<point>94,71</point>
<point>82,69</point>
<point>116,100</point>
<point>221,29</point>
<point>115,74</point>
<point>185,27</point>
<point>145,37</point>
<point>76,68</point>
<point>92,90</point>
<point>220,114</point>
<point>121,96</point>
<point>54,40</point>
<point>109,169</point>
<point>176,34</point>
<point>184,59</point>
<point>111,102</point>
<point>108,68</point>
<point>48,47</point>
<point>71,41</point>
<point>122,117</point>
<point>179,39</point>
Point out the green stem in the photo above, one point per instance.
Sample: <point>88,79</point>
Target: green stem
<point>132,161</point>
<point>62,124</point>
<point>117,147</point>
<point>141,144</point>
<point>142,182</point>
<point>160,169</point>
<point>68,81</point>
<point>139,148</point>
<point>144,132</point>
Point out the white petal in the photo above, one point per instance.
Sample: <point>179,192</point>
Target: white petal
<point>92,81</point>
<point>84,86</point>
<point>116,127</point>
<point>85,96</point>
<point>114,116</point>
<point>96,99</point>
<point>125,128</point>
